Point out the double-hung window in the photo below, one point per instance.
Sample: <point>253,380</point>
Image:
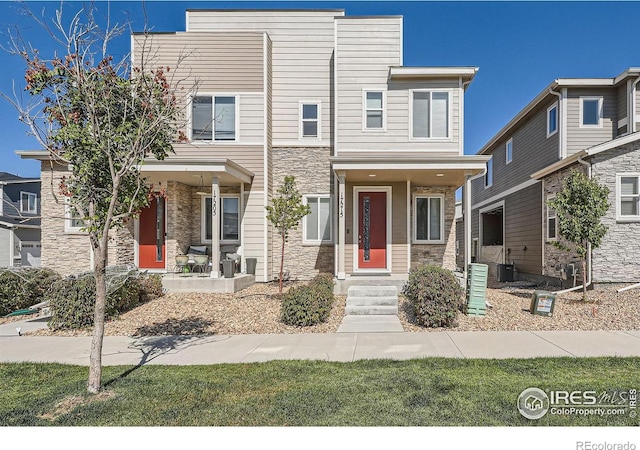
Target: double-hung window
<point>213,118</point>
<point>590,112</point>
<point>552,222</point>
<point>628,197</point>
<point>430,115</point>
<point>28,202</point>
<point>508,149</point>
<point>373,110</point>
<point>229,219</point>
<point>428,223</point>
<point>552,120</point>
<point>317,224</point>
<point>310,120</point>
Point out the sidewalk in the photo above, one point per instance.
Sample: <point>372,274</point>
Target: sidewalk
<point>343,347</point>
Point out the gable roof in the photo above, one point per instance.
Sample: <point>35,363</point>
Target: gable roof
<point>6,177</point>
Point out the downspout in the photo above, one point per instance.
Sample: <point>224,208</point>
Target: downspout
<point>575,288</point>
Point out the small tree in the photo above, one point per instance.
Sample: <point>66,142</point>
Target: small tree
<point>285,213</point>
<point>579,207</point>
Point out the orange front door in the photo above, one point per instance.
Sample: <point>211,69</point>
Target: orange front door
<point>372,230</point>
<point>151,242</point>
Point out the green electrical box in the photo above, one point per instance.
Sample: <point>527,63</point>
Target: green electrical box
<point>542,303</point>
<point>477,277</point>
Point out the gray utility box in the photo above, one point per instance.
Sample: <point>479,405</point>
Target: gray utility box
<point>477,289</point>
<point>542,303</point>
<point>505,273</point>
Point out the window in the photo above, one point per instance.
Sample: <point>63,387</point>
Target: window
<point>28,202</point>
<point>552,120</point>
<point>309,116</point>
<point>229,219</point>
<point>430,110</point>
<point>590,111</point>
<point>628,197</point>
<point>317,224</point>
<point>552,222</point>
<point>428,219</point>
<point>488,177</point>
<point>73,221</point>
<point>213,118</point>
<point>374,110</point>
<point>508,150</point>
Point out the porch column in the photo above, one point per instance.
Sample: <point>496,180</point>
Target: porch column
<point>215,228</point>
<point>341,224</point>
<point>467,226</point>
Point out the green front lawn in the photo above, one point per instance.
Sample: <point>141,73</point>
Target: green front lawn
<point>426,392</point>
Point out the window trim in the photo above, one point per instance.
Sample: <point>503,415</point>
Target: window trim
<point>549,109</point>
<point>555,216</point>
<point>449,137</point>
<point>29,195</point>
<point>414,236</point>
<point>213,96</point>
<point>619,216</point>
<point>305,241</point>
<point>318,120</point>
<point>203,222</point>
<point>366,129</point>
<point>489,173</point>
<point>508,151</point>
<point>600,111</point>
<point>68,220</point>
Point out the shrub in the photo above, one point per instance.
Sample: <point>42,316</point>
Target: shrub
<point>72,300</point>
<point>23,287</point>
<point>308,305</point>
<point>150,287</point>
<point>435,295</point>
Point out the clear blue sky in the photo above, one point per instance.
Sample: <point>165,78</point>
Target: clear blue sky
<point>520,47</point>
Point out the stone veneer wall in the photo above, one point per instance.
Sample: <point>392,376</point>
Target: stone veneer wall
<point>554,257</point>
<point>312,169</point>
<point>443,255</point>
<point>179,220</point>
<point>617,259</point>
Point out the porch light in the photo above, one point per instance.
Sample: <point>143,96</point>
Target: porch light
<point>439,174</point>
<point>372,175</point>
<point>201,190</point>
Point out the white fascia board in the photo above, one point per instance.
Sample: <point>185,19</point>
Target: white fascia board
<point>396,72</point>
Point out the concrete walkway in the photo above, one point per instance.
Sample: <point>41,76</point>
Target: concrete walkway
<point>344,347</point>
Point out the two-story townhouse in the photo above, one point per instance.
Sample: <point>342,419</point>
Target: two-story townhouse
<point>376,147</point>
<point>511,223</point>
<point>19,221</point>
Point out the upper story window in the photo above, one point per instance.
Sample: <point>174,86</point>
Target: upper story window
<point>591,112</point>
<point>229,219</point>
<point>317,224</point>
<point>430,115</point>
<point>310,120</point>
<point>28,202</point>
<point>628,197</point>
<point>508,150</point>
<point>213,118</point>
<point>552,120</point>
<point>488,177</point>
<point>428,219</point>
<point>374,110</point>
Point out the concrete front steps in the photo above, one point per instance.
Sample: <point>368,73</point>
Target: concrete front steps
<point>371,309</point>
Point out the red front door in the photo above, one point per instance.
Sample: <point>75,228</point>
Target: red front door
<point>151,242</point>
<point>372,230</point>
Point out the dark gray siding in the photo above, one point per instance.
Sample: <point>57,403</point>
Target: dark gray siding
<point>532,151</point>
<point>523,229</point>
<point>11,206</point>
<point>621,94</point>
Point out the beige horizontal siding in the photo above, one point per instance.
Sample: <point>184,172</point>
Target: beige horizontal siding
<point>254,230</point>
<point>581,138</point>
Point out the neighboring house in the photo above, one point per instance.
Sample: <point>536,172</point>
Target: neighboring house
<point>509,216</point>
<point>19,221</point>
<point>376,149</point>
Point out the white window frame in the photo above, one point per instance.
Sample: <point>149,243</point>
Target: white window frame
<point>203,220</point>
<point>415,219</point>
<point>619,216</point>
<point>318,120</point>
<point>68,220</point>
<point>213,140</point>
<point>449,136</point>
<point>489,174</point>
<point>365,109</point>
<point>556,124</point>
<point>29,195</point>
<point>599,99</point>
<point>508,151</point>
<point>305,201</point>
<point>548,217</point>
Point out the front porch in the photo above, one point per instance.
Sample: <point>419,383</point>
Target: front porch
<point>195,283</point>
